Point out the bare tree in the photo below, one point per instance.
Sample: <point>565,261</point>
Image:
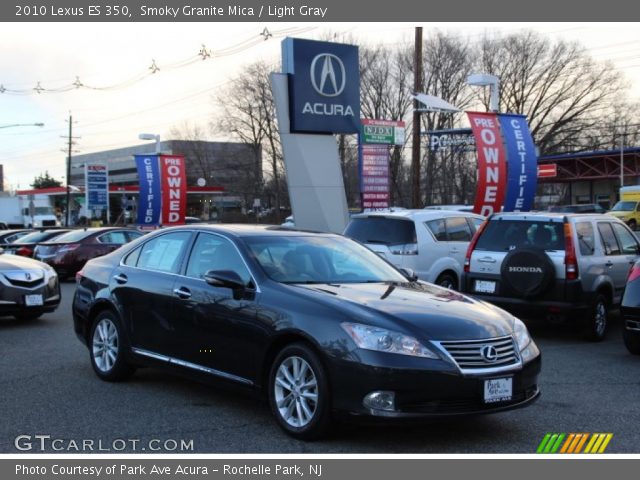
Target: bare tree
<point>248,114</point>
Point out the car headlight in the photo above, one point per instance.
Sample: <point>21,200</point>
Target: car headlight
<point>382,340</point>
<point>526,346</point>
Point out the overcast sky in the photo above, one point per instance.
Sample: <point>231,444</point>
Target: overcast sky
<point>100,55</point>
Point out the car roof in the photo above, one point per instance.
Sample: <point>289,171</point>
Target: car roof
<point>418,215</point>
<point>248,230</point>
<point>549,216</point>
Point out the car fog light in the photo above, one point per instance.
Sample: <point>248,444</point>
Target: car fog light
<point>380,401</point>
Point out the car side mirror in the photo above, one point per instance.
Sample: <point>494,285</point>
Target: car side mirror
<point>225,279</point>
<point>409,274</point>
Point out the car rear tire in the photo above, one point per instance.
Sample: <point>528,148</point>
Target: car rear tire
<point>596,322</point>
<point>447,280</point>
<point>107,348</point>
<point>299,392</point>
<point>631,341</point>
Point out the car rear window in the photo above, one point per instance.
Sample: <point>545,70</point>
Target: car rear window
<point>383,230</point>
<point>504,235</point>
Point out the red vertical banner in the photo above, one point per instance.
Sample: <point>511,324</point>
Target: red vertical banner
<point>174,189</point>
<point>492,164</point>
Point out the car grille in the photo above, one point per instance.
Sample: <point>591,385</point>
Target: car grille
<point>48,223</point>
<point>632,322</point>
<point>468,354</point>
<point>25,279</point>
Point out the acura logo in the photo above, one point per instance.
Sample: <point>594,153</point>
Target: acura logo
<point>489,353</point>
<point>328,75</point>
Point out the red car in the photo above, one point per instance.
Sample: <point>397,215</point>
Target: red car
<point>68,253</point>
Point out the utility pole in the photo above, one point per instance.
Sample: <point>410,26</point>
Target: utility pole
<point>415,146</point>
<point>70,143</point>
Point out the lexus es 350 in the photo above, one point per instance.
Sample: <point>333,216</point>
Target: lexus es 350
<point>316,322</point>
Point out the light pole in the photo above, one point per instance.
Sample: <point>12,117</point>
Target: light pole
<point>493,82</point>
<point>151,136</point>
<point>23,125</point>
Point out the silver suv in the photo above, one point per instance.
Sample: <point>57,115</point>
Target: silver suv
<point>570,265</point>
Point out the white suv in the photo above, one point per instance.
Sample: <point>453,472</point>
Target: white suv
<point>432,243</point>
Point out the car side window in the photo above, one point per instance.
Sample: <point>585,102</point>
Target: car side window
<point>132,235</point>
<point>628,243</point>
<point>609,241</point>
<point>438,229</point>
<point>638,207</point>
<point>474,223</point>
<point>164,252</point>
<point>131,260</point>
<point>212,252</point>
<point>118,238</point>
<point>458,229</point>
<point>586,239</point>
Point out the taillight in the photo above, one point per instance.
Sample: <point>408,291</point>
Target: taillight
<point>634,273</point>
<point>570,259</point>
<point>68,248</point>
<point>472,245</point>
<point>24,251</point>
<point>404,249</point>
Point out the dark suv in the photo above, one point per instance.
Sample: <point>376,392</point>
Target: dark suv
<point>572,266</point>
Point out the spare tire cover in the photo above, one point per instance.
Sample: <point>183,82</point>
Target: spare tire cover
<point>527,272</point>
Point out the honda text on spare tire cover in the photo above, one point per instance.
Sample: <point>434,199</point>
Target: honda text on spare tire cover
<point>565,266</point>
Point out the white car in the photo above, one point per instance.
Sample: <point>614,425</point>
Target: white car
<point>432,243</point>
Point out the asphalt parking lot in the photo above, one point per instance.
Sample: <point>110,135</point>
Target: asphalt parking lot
<point>48,388</point>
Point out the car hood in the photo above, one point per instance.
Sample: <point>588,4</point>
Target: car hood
<point>426,310</point>
<point>17,262</point>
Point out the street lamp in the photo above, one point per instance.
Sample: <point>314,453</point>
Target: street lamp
<point>493,82</point>
<point>151,136</point>
<point>23,125</point>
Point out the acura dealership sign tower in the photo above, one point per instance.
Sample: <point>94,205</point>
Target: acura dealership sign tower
<point>317,96</point>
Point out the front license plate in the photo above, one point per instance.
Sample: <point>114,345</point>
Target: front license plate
<point>498,390</point>
<point>33,300</point>
<point>485,286</point>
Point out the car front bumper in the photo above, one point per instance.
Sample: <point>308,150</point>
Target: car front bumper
<point>441,391</point>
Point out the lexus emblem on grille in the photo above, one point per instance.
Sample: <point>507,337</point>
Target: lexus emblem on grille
<point>27,276</point>
<point>489,353</point>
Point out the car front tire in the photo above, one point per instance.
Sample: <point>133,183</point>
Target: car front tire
<point>299,392</point>
<point>107,348</point>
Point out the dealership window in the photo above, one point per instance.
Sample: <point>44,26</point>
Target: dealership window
<point>608,239</point>
<point>586,238</point>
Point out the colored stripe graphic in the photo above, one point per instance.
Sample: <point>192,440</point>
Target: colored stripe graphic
<point>573,443</point>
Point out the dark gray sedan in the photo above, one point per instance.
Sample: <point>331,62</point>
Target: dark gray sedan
<point>28,288</point>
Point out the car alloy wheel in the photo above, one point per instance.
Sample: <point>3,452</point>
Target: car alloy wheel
<point>299,392</point>
<point>446,280</point>
<point>107,348</point>
<point>105,345</point>
<point>597,321</point>
<point>296,391</point>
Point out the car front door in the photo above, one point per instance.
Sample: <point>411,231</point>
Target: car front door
<point>216,327</point>
<point>143,287</point>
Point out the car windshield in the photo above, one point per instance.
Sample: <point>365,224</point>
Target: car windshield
<point>624,207</point>
<point>382,230</point>
<point>317,259</point>
<point>505,235</point>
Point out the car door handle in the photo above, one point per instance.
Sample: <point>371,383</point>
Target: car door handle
<point>487,260</point>
<point>121,278</point>
<point>608,264</point>
<point>454,250</point>
<point>182,292</point>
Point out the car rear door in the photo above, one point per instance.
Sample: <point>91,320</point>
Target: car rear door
<point>616,263</point>
<point>458,236</point>
<point>143,285</point>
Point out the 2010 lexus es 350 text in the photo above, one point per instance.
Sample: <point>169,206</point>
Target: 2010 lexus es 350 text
<point>317,322</point>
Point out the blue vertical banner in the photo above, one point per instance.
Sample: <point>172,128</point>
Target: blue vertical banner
<point>522,163</point>
<point>96,188</point>
<point>149,206</point>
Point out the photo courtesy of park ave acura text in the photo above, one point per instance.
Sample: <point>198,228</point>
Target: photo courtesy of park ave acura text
<point>283,235</point>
